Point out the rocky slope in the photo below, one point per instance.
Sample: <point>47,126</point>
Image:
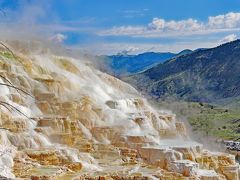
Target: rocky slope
<point>62,119</point>
<point>204,75</point>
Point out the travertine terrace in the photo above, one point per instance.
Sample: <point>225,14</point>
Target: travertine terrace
<point>63,119</point>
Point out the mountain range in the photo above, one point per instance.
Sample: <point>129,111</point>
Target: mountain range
<point>205,75</point>
<point>124,64</point>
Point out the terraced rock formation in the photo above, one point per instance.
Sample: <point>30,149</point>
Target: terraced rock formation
<point>62,119</point>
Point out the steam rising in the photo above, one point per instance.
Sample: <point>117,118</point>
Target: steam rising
<point>105,109</point>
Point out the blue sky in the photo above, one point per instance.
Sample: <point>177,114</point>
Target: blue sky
<point>112,26</point>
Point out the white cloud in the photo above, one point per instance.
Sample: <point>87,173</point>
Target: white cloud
<point>58,38</point>
<point>115,48</point>
<point>124,30</point>
<point>228,21</point>
<point>130,49</point>
<point>162,28</point>
<point>135,13</point>
<point>229,38</point>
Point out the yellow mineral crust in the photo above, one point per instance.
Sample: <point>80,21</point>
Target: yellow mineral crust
<point>66,120</point>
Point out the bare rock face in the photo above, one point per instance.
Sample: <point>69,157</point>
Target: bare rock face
<point>66,120</point>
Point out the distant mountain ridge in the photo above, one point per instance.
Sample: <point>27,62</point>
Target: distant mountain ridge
<point>206,75</point>
<point>120,65</point>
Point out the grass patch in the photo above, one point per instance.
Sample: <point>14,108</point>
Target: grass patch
<point>209,120</point>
